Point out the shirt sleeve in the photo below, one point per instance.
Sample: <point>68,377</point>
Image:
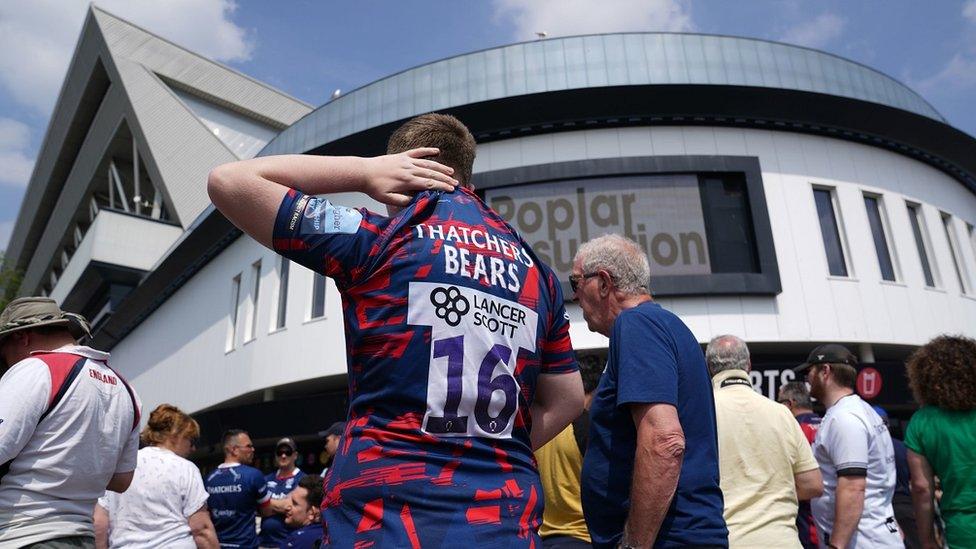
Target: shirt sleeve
<point>803,459</point>
<point>914,435</point>
<point>329,239</point>
<point>847,445</point>
<point>647,368</point>
<point>261,493</point>
<point>24,393</point>
<point>195,495</point>
<point>557,355</point>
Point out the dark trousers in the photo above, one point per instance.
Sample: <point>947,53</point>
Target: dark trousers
<point>905,515</point>
<point>70,542</point>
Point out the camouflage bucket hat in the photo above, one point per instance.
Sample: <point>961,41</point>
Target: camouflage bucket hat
<point>25,313</point>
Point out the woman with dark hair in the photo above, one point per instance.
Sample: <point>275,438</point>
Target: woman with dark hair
<point>166,504</point>
<point>941,438</point>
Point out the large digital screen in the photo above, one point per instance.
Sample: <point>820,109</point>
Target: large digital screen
<point>662,213</point>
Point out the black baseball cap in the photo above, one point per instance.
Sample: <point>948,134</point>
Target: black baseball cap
<point>830,353</point>
<point>287,442</point>
<point>336,429</point>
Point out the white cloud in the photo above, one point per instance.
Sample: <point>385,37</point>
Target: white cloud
<point>969,10</point>
<point>817,32</point>
<point>958,74</point>
<point>37,38</point>
<point>15,164</point>
<point>569,17</point>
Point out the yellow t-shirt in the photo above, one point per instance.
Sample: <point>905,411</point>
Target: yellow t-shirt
<point>560,464</point>
<point>760,448</point>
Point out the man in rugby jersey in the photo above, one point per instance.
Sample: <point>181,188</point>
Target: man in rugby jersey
<point>238,493</point>
<point>458,347</point>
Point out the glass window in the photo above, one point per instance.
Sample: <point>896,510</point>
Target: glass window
<point>282,310</point>
<point>972,236</point>
<point>728,224</point>
<point>962,273</point>
<point>515,69</point>
<point>235,295</point>
<point>596,60</point>
<point>830,230</point>
<point>477,90</point>
<point>255,290</point>
<point>657,62</point>
<point>535,68</point>
<point>318,296</point>
<point>616,60</point>
<point>555,65</point>
<point>879,231</point>
<point>921,242</point>
<point>635,60</point>
<point>575,62</point>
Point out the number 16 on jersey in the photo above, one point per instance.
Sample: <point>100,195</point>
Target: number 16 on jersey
<point>475,340</point>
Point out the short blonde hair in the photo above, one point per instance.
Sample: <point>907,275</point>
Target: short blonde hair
<point>447,133</point>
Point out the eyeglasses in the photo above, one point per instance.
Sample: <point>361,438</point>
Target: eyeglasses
<point>574,280</point>
<point>285,452</point>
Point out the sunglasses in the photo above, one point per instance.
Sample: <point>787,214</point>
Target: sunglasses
<point>574,280</point>
<point>285,452</point>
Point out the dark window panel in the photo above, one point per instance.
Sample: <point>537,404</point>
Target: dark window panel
<point>913,215</point>
<point>728,224</point>
<point>830,232</point>
<point>880,239</point>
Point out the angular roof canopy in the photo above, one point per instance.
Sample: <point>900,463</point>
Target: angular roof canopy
<point>185,114</point>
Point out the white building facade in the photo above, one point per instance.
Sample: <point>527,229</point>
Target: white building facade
<point>785,195</point>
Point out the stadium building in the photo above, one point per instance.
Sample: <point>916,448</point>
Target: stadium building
<point>783,194</point>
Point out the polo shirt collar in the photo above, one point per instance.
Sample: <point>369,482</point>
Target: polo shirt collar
<point>718,378</point>
<point>80,350</point>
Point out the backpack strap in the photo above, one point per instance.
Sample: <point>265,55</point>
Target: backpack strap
<point>64,368</point>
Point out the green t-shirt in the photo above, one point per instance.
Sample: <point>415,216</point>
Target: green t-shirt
<point>947,439</point>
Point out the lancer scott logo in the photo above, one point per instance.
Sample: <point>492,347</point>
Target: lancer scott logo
<point>450,305</point>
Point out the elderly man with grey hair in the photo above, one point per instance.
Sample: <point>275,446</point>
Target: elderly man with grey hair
<point>650,474</point>
<point>766,462</point>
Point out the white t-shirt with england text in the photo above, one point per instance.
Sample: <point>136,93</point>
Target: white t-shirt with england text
<point>60,465</point>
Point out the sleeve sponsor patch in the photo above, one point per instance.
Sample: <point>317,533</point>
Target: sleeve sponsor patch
<point>324,217</point>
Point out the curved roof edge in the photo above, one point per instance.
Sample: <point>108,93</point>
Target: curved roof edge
<point>596,61</point>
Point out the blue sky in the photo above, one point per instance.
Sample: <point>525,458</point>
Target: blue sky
<point>309,48</point>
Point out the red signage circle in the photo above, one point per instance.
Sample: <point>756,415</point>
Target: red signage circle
<point>869,383</point>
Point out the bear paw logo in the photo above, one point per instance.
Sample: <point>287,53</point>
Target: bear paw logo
<point>449,305</point>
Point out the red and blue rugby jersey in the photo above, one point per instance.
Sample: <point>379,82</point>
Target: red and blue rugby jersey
<point>449,318</point>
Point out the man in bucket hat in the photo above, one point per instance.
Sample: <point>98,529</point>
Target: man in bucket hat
<point>68,427</point>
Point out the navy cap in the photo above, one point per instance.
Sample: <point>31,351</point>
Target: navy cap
<point>336,429</point>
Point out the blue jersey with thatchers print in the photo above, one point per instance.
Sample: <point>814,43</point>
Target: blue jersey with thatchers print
<point>449,321</point>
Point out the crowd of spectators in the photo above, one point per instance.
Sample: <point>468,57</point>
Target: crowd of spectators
<point>673,447</point>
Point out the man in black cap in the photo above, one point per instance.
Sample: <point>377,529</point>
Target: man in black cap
<point>856,457</point>
<point>280,485</point>
<point>332,436</point>
<point>68,427</point>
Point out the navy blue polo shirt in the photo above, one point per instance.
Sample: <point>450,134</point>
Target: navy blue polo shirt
<point>654,358</point>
